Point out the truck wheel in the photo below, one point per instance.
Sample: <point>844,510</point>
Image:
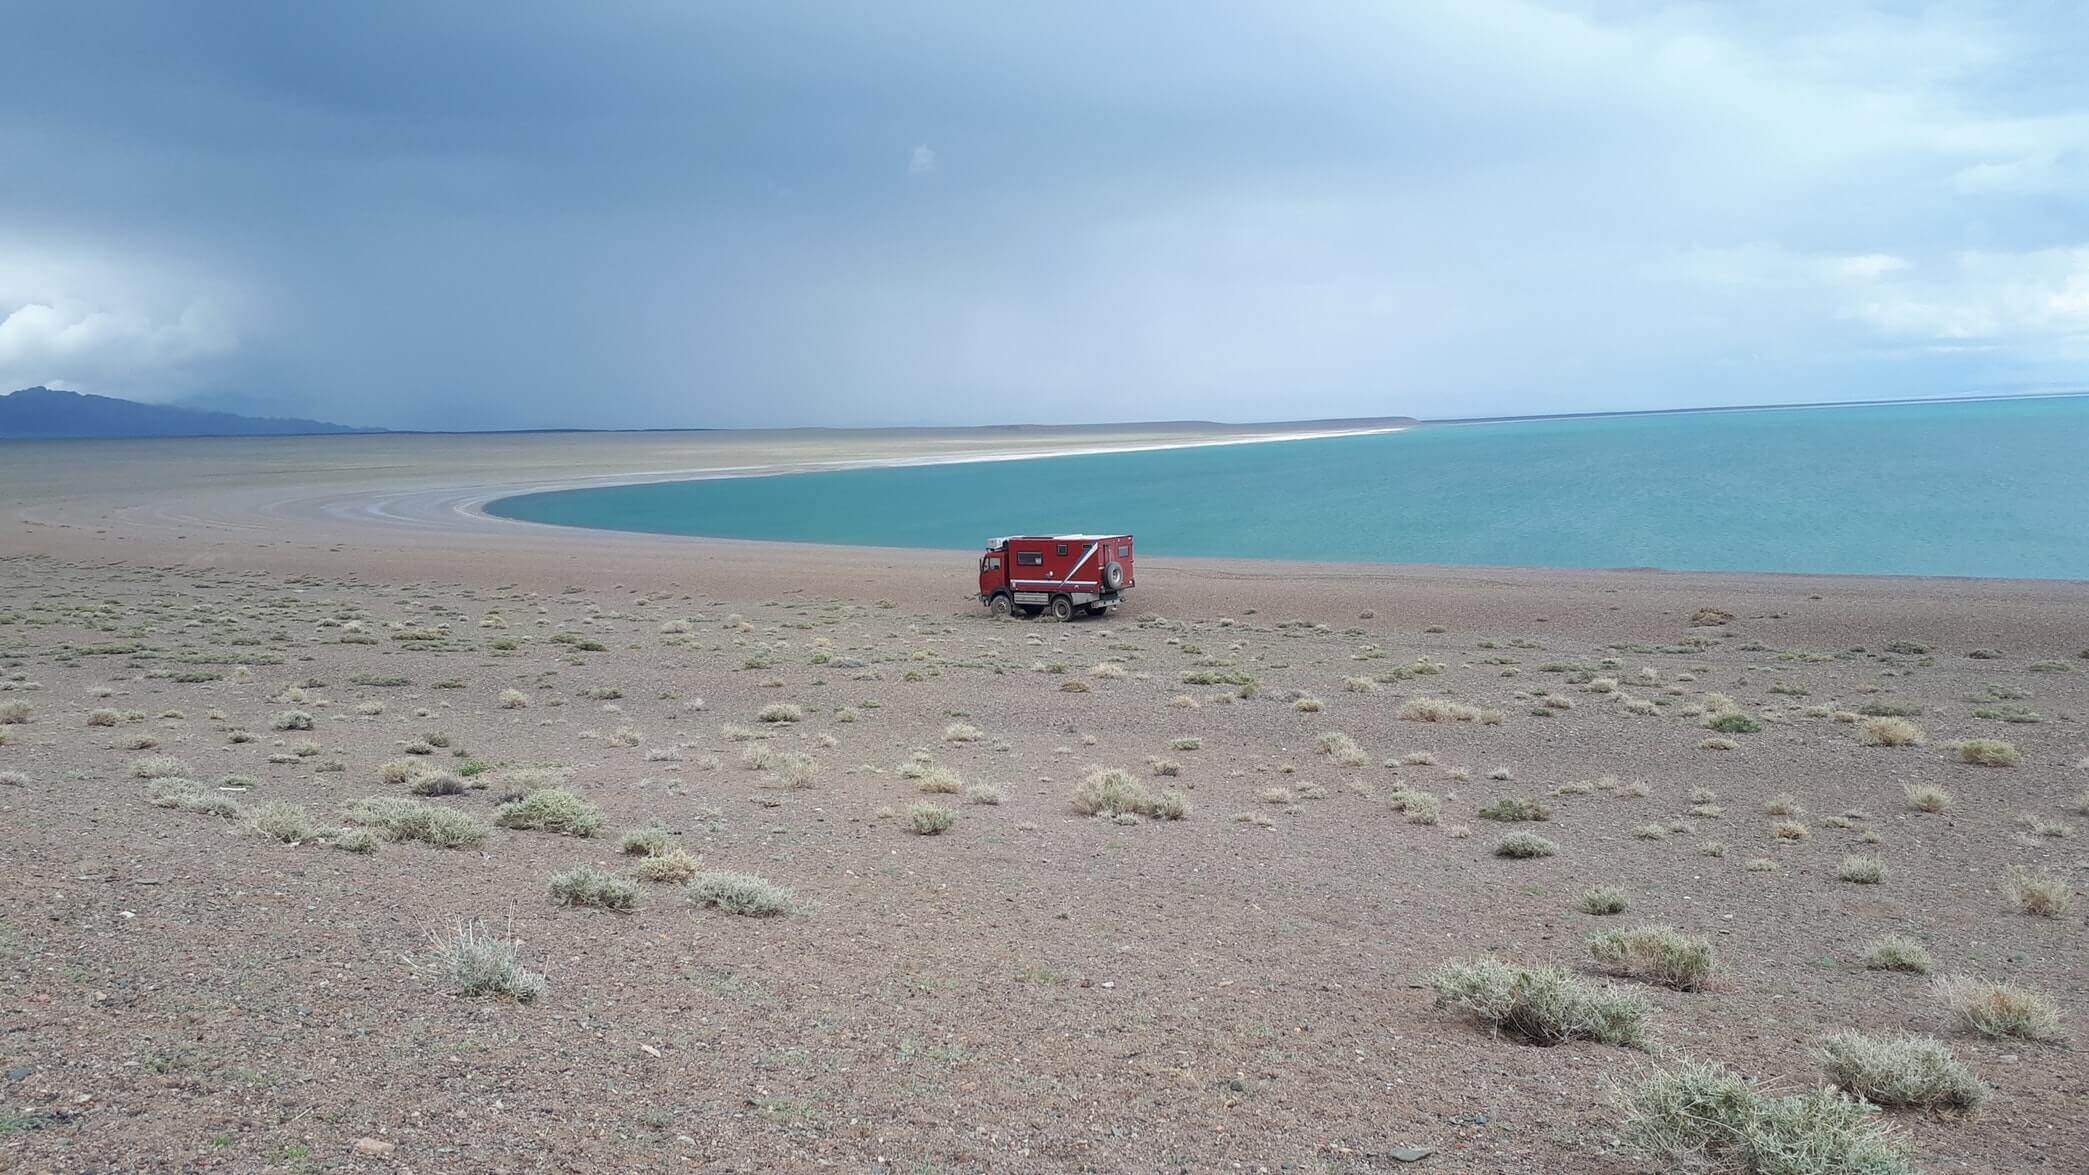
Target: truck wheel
<point>1000,606</point>
<point>1113,575</point>
<point>1062,608</point>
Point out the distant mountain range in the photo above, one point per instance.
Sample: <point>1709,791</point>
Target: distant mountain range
<point>51,413</point>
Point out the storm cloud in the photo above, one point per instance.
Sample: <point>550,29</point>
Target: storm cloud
<point>450,215</point>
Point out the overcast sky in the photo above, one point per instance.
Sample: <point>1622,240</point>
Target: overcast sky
<point>449,215</point>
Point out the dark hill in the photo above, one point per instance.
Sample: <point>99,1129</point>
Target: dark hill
<point>47,412</point>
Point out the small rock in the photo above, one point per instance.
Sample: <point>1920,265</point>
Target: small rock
<point>1410,1154</point>
<point>20,1071</point>
<point>376,1148</point>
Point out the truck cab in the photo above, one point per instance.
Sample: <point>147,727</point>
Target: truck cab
<point>1065,573</point>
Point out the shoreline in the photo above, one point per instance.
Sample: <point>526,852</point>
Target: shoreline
<point>411,508</point>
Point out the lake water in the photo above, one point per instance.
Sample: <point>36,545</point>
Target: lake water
<point>1988,488</point>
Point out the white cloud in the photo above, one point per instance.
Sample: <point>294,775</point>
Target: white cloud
<point>921,161</point>
<point>2038,299</point>
<point>139,329</point>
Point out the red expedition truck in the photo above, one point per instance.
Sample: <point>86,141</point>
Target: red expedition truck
<point>1067,573</point>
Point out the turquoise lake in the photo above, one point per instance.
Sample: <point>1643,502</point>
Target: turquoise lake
<point>1988,488</point>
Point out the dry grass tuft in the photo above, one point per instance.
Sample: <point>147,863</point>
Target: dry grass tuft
<point>1889,732</point>
<point>553,809</point>
<point>2037,893</point>
<point>400,819</point>
<point>926,819</point>
<point>1904,1071</point>
<point>1657,954</point>
<point>285,822</point>
<point>1113,792</point>
<point>1897,952</point>
<point>739,893</point>
<point>1926,797</point>
<point>1604,899</point>
<point>2000,1010</point>
<point>158,767</point>
<point>1861,869</point>
<point>1988,752</point>
<point>471,962</point>
<point>588,885</point>
<point>674,865</point>
<point>1445,710</point>
<point>1524,846</point>
<point>1704,1118</point>
<point>1541,1005</point>
<point>1515,809</point>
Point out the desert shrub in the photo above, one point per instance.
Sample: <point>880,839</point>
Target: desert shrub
<point>780,712</point>
<point>1604,899</point>
<point>104,718</point>
<point>960,732</point>
<point>927,819</point>
<point>514,699</point>
<point>1657,954</point>
<point>1896,952</point>
<point>983,793</point>
<point>1541,1005</point>
<point>355,840</point>
<point>587,885</point>
<point>674,865</point>
<point>470,961</point>
<point>1926,797</point>
<point>15,713</point>
<point>2001,1010</point>
<point>2036,893</point>
<point>795,769</point>
<point>553,809</point>
<point>650,841</point>
<point>739,893</point>
<point>1524,845</point>
<point>1421,807</point>
<point>292,720</point>
<point>401,819</point>
<point>1903,1071</point>
<point>288,823</point>
<point>159,767</point>
<point>1788,830</point>
<point>931,779</point>
<point>1445,710</point>
<point>1343,749</point>
<point>437,783</point>
<point>1861,870</point>
<point>186,795</point>
<point>1733,722</point>
<point>1515,809</point>
<point>1693,1116</point>
<point>1988,752</point>
<point>1113,792</point>
<point>1889,732</point>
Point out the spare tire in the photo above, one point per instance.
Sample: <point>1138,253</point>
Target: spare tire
<point>1113,575</point>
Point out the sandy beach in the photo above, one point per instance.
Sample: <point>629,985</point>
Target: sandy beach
<point>298,625</point>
